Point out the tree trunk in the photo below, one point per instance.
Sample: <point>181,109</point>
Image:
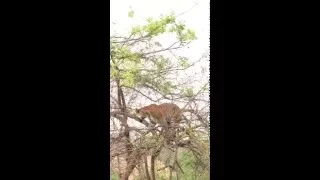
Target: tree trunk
<point>131,158</point>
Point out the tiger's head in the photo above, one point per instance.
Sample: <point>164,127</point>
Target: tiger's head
<point>144,112</point>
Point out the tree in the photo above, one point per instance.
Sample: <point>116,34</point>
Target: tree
<point>142,72</point>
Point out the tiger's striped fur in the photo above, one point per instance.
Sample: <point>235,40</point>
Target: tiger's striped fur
<point>166,114</point>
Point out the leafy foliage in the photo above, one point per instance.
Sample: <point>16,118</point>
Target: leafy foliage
<point>134,66</point>
<point>114,176</point>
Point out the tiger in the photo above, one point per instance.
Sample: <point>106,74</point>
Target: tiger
<point>164,114</point>
<point>168,115</point>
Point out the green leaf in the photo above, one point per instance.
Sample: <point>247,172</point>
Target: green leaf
<point>191,35</point>
<point>136,30</point>
<point>128,79</point>
<point>130,14</point>
<point>183,62</point>
<point>167,87</point>
<point>188,92</point>
<point>113,73</point>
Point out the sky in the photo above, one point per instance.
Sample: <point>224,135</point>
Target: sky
<point>196,17</point>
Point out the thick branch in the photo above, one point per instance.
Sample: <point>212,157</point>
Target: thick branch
<point>117,113</point>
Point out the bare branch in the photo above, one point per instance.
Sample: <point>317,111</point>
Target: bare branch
<point>165,49</point>
<point>140,93</point>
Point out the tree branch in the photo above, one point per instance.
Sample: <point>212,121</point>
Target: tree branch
<point>117,113</point>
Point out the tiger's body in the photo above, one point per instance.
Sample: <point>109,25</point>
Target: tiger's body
<point>165,114</point>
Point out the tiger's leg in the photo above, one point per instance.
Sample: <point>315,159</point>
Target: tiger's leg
<point>151,126</point>
<point>176,128</point>
<point>166,131</point>
<point>171,132</point>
